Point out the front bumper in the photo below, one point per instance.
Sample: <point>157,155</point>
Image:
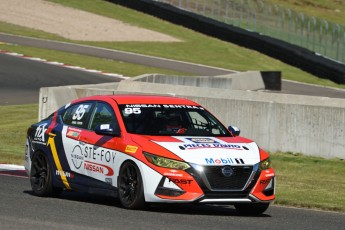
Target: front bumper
<point>208,185</point>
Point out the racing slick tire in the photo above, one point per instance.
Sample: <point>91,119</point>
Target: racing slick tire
<point>131,190</point>
<point>41,177</point>
<point>252,209</point>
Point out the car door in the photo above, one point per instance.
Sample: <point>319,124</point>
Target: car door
<point>99,151</point>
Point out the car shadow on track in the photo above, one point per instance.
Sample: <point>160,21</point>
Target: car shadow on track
<point>186,209</point>
<point>199,209</point>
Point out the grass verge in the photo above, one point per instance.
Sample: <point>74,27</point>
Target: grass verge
<point>301,181</point>
<point>13,126</point>
<point>310,182</point>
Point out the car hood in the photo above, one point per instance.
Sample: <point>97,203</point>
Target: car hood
<point>209,150</point>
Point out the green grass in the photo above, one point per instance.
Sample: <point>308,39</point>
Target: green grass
<point>331,10</point>
<point>310,182</point>
<point>205,50</point>
<point>13,126</point>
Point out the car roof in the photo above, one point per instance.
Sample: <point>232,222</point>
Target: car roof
<point>142,99</point>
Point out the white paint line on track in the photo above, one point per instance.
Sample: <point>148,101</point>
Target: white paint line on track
<point>11,167</point>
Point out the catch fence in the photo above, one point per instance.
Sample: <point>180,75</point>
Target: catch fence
<point>318,35</point>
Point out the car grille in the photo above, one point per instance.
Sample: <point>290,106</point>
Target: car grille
<point>237,181</point>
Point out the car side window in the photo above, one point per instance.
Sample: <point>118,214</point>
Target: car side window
<point>78,115</point>
<point>102,114</point>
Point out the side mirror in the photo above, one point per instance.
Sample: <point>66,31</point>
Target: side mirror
<point>234,130</point>
<point>107,130</point>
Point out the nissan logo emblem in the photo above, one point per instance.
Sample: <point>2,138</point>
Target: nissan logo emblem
<point>227,171</point>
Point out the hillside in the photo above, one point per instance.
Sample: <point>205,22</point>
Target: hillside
<point>193,47</point>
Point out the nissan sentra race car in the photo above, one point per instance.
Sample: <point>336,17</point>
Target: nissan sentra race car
<point>146,149</point>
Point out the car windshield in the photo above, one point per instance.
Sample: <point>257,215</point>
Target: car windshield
<point>171,120</point>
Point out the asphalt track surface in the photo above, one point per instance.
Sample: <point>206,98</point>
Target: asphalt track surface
<point>20,80</point>
<point>20,209</point>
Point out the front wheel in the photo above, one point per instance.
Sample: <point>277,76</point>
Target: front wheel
<point>252,209</point>
<point>131,190</point>
<point>41,177</point>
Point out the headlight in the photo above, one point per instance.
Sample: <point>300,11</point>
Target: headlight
<point>166,162</point>
<point>265,164</point>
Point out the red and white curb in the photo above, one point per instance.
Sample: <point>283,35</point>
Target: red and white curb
<point>119,76</point>
<point>12,170</point>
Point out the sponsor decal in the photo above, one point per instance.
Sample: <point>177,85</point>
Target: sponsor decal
<point>105,126</point>
<point>98,168</point>
<point>163,106</point>
<point>269,175</point>
<point>88,152</point>
<point>51,144</point>
<point>131,149</point>
<point>265,181</point>
<point>27,152</point>
<point>109,181</point>
<point>180,181</point>
<point>173,173</point>
<point>202,140</point>
<point>40,134</point>
<point>73,133</point>
<point>143,106</point>
<point>77,156</point>
<point>63,173</point>
<point>223,161</point>
<point>210,145</point>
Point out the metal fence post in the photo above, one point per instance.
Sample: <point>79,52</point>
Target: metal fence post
<point>276,15</point>
<point>343,58</point>
<point>335,35</point>
<point>302,27</point>
<point>261,13</point>
<point>196,6</point>
<point>226,11</point>
<point>313,20</point>
<point>288,11</point>
<point>241,12</point>
<point>326,34</point>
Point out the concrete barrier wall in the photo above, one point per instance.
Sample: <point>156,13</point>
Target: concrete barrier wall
<point>308,129</point>
<point>251,80</point>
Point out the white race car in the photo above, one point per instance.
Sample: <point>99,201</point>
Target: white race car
<point>146,149</point>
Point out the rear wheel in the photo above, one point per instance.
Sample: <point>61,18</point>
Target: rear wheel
<point>41,178</point>
<point>131,191</point>
<point>252,209</point>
